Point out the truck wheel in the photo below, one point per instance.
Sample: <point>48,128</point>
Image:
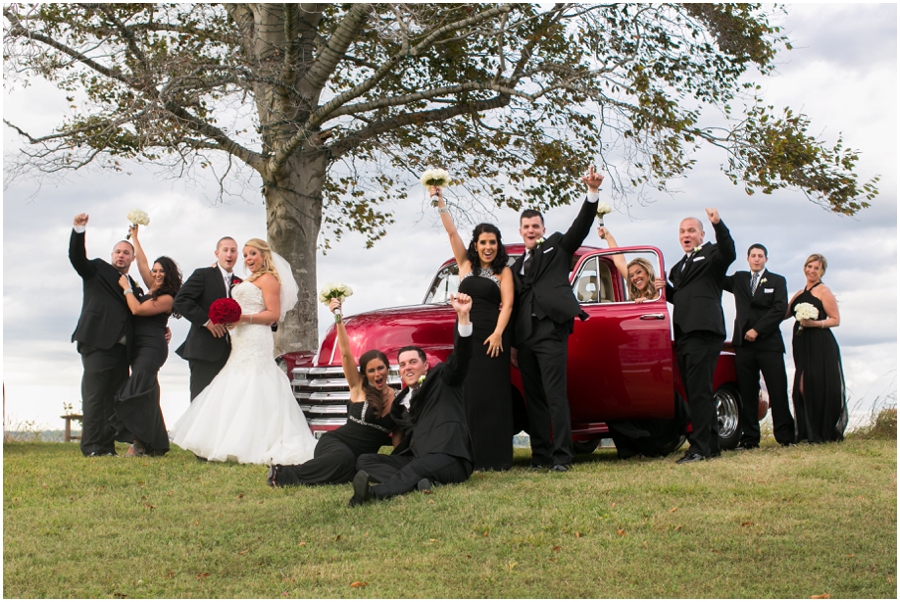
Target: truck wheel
<point>585,447</point>
<point>728,412</point>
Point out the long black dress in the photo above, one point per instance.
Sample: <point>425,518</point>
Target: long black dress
<point>822,408</point>
<point>137,414</point>
<point>334,459</point>
<point>488,392</point>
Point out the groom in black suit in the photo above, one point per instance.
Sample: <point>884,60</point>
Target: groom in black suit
<point>760,300</point>
<point>436,446</point>
<point>696,288</point>
<point>207,345</point>
<point>545,309</point>
<point>104,336</point>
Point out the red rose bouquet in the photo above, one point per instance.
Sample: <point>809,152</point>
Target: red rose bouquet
<point>224,311</point>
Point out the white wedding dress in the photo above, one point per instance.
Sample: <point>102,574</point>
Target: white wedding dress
<point>248,413</point>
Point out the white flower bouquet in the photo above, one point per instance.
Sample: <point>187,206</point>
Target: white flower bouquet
<point>602,209</point>
<point>331,291</point>
<point>137,217</point>
<point>435,177</point>
<point>805,311</point>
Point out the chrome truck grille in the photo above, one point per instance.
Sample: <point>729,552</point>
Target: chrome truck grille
<point>323,394</point>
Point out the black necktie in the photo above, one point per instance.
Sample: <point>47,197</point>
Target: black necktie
<point>529,262</point>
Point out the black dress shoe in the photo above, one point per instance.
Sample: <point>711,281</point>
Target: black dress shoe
<point>788,444</point>
<point>560,468</point>
<point>691,457</point>
<point>99,454</point>
<point>536,467</point>
<point>270,476</point>
<point>423,485</point>
<point>362,493</point>
<point>746,446</point>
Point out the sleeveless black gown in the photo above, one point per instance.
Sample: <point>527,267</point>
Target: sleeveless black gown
<point>334,460</point>
<point>137,414</point>
<point>487,390</point>
<point>821,410</point>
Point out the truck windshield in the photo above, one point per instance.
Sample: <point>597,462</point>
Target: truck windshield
<point>446,283</point>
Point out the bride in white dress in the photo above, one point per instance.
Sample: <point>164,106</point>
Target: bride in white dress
<point>248,413</point>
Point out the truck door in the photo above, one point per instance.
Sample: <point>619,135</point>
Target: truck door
<point>620,359</point>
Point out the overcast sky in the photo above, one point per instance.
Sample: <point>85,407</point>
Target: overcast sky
<point>842,73</point>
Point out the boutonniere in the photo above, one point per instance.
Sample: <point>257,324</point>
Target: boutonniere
<point>539,241</point>
<point>235,280</point>
<point>764,280</point>
<point>698,249</point>
<point>421,379</point>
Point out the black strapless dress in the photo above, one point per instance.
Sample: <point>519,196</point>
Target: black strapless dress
<point>334,460</point>
<point>137,414</point>
<point>821,410</point>
<point>487,390</point>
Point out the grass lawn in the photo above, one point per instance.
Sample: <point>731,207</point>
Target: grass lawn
<point>773,522</point>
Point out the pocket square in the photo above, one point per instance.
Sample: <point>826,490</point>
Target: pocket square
<point>548,250</point>
<point>768,290</point>
<point>698,258</point>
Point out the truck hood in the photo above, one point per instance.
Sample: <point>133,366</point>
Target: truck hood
<point>388,330</point>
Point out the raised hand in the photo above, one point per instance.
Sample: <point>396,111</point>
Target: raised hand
<point>592,179</point>
<point>713,214</point>
<point>81,219</point>
<point>462,303</point>
<point>133,231</point>
<point>335,305</point>
<point>602,232</point>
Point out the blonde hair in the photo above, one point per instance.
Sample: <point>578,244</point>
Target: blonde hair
<point>650,291</point>
<point>268,266</point>
<point>816,257</point>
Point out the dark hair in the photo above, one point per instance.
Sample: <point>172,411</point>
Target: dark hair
<point>757,245</point>
<point>412,348</point>
<point>171,281</point>
<point>529,213</point>
<point>500,258</point>
<point>373,395</point>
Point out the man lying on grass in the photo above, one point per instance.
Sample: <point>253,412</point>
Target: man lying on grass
<point>436,447</point>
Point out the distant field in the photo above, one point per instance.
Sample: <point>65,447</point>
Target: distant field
<point>771,523</point>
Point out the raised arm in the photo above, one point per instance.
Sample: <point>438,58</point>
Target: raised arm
<point>348,363</point>
<point>141,257</point>
<point>580,228</point>
<point>456,241</point>
<point>77,253</point>
<point>618,259</point>
<point>727,253</point>
<point>457,364</point>
<point>507,295</point>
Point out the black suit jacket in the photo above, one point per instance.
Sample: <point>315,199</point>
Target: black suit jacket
<point>192,301</point>
<point>696,292</point>
<point>546,290</point>
<point>105,316</point>
<point>436,420</point>
<point>762,311</point>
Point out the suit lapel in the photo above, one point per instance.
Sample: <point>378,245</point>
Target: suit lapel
<point>220,282</point>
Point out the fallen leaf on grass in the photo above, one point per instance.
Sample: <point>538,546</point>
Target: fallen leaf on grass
<point>613,505</point>
<point>172,492</point>
<point>203,575</point>
<point>169,575</point>
<point>430,501</point>
<point>140,482</point>
<point>143,497</point>
<point>338,538</point>
<point>432,540</point>
<point>120,595</point>
<point>556,548</point>
<point>241,553</point>
<point>239,496</point>
<point>552,559</point>
<point>485,534</point>
<point>678,528</point>
<point>196,522</point>
<point>821,597</point>
<point>746,523</point>
<point>850,555</point>
<point>674,509</point>
<point>151,506</point>
<point>44,485</point>
<point>302,543</point>
<point>621,532</point>
<point>468,555</point>
<point>577,534</point>
<point>359,584</point>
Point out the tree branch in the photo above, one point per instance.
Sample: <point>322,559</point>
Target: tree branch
<point>317,76</point>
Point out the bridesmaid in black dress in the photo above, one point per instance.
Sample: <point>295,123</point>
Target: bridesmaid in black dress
<point>819,398</point>
<point>369,423</point>
<point>137,416</point>
<point>485,276</point>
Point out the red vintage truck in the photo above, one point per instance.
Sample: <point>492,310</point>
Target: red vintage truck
<point>621,367</point>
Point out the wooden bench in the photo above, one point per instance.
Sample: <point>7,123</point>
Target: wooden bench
<point>68,436</point>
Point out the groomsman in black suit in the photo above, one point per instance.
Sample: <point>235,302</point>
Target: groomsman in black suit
<point>545,309</point>
<point>436,445</point>
<point>104,336</point>
<point>760,300</point>
<point>696,292</point>
<point>207,345</point>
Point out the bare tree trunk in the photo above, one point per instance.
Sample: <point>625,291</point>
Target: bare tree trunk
<point>294,216</point>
